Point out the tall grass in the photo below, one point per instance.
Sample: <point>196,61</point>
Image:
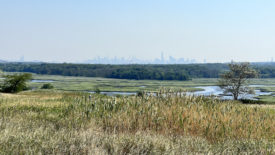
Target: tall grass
<point>52,122</point>
<point>169,113</point>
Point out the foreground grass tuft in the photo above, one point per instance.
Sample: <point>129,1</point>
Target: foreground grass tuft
<point>55,122</point>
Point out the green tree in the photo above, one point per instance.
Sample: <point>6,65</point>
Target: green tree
<point>235,81</point>
<point>15,83</point>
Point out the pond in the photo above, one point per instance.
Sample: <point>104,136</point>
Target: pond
<point>41,81</point>
<point>217,91</point>
<point>142,86</point>
<point>207,91</point>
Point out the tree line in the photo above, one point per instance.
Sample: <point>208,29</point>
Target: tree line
<point>180,72</point>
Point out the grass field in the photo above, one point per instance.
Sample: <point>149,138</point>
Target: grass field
<point>68,83</point>
<point>71,83</point>
<point>58,122</point>
<point>105,84</point>
<point>267,99</point>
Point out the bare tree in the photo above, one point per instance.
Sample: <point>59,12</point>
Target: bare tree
<point>235,81</point>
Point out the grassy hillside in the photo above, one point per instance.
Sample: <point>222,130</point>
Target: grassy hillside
<point>57,122</point>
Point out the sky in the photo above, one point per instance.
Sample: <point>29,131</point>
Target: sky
<point>76,30</point>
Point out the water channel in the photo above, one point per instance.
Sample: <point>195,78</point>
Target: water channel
<point>207,91</point>
<point>41,81</point>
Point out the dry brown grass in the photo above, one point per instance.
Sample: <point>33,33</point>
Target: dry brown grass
<point>48,122</point>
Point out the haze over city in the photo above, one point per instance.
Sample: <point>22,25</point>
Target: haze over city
<point>79,31</point>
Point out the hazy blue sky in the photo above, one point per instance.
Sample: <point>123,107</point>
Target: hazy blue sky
<point>73,30</point>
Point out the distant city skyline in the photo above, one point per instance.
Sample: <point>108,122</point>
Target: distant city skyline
<point>133,60</point>
<point>162,59</point>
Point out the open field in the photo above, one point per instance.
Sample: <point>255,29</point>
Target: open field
<point>73,83</point>
<point>267,99</point>
<point>70,83</point>
<point>58,122</point>
<point>105,84</point>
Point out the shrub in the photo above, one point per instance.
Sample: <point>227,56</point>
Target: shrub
<point>47,86</point>
<point>140,93</point>
<point>97,90</point>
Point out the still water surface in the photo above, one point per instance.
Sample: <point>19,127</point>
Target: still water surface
<point>207,91</point>
<point>41,81</point>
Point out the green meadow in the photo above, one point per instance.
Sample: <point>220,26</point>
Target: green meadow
<point>69,83</point>
<point>72,83</point>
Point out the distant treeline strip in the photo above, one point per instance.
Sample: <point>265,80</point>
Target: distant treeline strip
<point>181,72</point>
